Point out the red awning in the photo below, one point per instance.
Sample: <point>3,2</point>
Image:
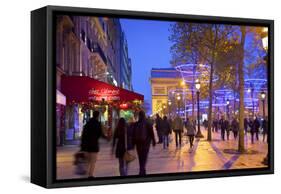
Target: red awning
<point>80,89</point>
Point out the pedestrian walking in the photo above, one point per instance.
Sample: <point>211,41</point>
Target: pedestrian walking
<point>190,131</point>
<point>264,128</point>
<point>224,125</point>
<point>256,127</point>
<point>121,136</point>
<point>215,125</point>
<point>91,133</point>
<point>142,137</point>
<point>235,127</point>
<point>205,124</point>
<point>252,129</point>
<point>166,130</point>
<point>178,129</point>
<point>246,125</point>
<point>158,126</point>
<point>228,129</point>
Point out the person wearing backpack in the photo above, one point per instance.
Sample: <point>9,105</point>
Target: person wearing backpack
<point>142,137</point>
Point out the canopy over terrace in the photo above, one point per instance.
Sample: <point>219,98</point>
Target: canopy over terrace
<point>82,89</point>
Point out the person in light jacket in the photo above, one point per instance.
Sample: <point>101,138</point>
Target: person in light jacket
<point>190,132</point>
<point>178,129</point>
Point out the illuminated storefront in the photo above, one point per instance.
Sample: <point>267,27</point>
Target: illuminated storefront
<point>85,95</point>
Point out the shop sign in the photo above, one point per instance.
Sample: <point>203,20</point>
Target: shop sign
<point>104,93</point>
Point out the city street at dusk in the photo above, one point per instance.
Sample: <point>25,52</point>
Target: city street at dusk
<point>134,83</point>
<point>203,156</point>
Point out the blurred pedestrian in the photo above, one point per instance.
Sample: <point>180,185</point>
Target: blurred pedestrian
<point>190,131</point>
<point>252,129</point>
<point>178,129</point>
<point>142,137</point>
<point>235,127</point>
<point>215,125</point>
<point>257,127</point>
<point>264,128</point>
<point>166,130</point>
<point>121,136</point>
<point>158,126</point>
<point>205,124</point>
<point>246,124</point>
<point>224,125</point>
<point>91,133</point>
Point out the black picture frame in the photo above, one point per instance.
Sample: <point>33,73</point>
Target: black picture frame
<point>43,85</point>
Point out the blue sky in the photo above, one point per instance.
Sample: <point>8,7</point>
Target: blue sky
<point>149,47</point>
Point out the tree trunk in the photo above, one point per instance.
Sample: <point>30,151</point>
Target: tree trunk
<point>210,116</point>
<point>210,119</point>
<point>241,146</point>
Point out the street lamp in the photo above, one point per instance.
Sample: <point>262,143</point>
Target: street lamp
<point>197,86</point>
<point>227,108</point>
<point>251,89</point>
<point>164,109</point>
<point>178,99</point>
<point>263,105</point>
<point>169,107</point>
<point>182,83</point>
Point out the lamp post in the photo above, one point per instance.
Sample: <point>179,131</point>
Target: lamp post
<point>178,99</point>
<point>169,108</point>
<point>227,108</point>
<point>265,46</point>
<point>197,86</point>
<point>183,85</point>
<point>164,110</point>
<point>251,90</point>
<point>263,103</point>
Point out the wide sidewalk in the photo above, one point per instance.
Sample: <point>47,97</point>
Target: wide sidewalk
<point>204,156</point>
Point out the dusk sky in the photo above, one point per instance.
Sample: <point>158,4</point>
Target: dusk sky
<point>149,47</point>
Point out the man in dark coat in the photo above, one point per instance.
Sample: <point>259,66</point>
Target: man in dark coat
<point>158,126</point>
<point>224,124</point>
<point>215,125</point>
<point>246,124</point>
<point>257,127</point>
<point>166,131</point>
<point>235,127</point>
<point>142,137</point>
<point>92,131</point>
<point>252,129</point>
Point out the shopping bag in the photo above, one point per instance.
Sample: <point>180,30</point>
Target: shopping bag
<point>81,163</point>
<point>170,138</point>
<point>129,157</point>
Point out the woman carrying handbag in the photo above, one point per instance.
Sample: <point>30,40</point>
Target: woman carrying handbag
<point>121,151</point>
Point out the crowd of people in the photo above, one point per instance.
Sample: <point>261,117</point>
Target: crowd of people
<point>139,135</point>
<point>254,126</point>
<point>127,136</point>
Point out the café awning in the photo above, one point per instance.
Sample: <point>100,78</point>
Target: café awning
<point>82,89</point>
